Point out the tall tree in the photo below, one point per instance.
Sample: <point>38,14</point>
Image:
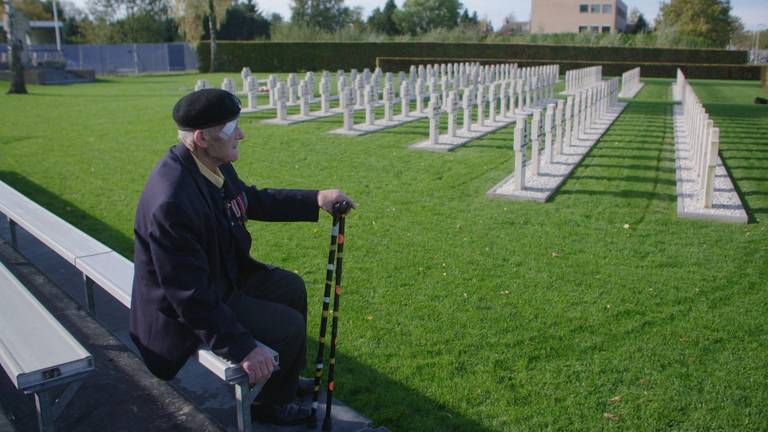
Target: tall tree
<point>421,16</point>
<point>243,21</point>
<point>190,15</point>
<point>18,86</point>
<point>383,21</point>
<point>328,15</point>
<point>707,20</point>
<point>636,22</point>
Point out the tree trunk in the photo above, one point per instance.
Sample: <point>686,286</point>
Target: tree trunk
<point>212,31</point>
<point>14,44</point>
<point>18,86</point>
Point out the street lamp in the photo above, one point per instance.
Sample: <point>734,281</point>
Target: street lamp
<point>758,28</point>
<point>56,27</point>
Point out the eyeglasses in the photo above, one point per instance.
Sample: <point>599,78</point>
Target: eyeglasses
<point>229,129</point>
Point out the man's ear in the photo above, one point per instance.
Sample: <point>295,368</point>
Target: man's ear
<point>201,138</point>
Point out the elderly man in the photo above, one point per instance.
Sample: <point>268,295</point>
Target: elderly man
<point>195,281</point>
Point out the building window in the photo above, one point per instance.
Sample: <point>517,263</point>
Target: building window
<point>606,29</point>
<point>607,8</point>
<point>595,29</point>
<point>595,8</point>
<point>582,29</point>
<point>584,8</point>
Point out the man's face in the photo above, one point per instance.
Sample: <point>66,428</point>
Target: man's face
<point>224,142</point>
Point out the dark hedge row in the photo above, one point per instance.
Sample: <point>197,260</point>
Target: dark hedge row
<point>304,56</point>
<point>764,77</point>
<point>648,70</point>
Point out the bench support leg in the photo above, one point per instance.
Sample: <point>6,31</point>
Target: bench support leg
<point>12,228</point>
<point>50,407</point>
<point>244,397</point>
<point>88,286</point>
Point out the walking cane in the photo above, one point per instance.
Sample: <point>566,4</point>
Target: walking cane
<point>337,244</point>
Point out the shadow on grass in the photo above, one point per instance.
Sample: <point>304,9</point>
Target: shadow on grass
<point>375,395</point>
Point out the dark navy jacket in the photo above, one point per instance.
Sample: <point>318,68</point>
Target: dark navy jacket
<point>190,247</point>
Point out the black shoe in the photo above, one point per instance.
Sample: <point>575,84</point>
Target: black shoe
<point>305,387</point>
<point>287,414</point>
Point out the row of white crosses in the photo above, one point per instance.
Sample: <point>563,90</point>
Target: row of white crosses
<point>577,79</point>
<point>512,92</point>
<point>563,125</point>
<point>630,83</point>
<point>703,142</point>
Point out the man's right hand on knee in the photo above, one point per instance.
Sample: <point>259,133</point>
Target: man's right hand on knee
<point>259,365</point>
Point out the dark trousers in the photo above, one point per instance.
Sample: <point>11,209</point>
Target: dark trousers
<point>272,305</point>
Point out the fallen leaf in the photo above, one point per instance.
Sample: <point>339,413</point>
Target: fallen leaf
<point>612,417</point>
<point>369,317</point>
<point>643,381</point>
<point>626,226</point>
<point>465,295</point>
<point>556,254</point>
<point>615,399</point>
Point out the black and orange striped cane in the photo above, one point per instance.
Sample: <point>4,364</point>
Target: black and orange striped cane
<point>338,210</point>
<point>343,208</point>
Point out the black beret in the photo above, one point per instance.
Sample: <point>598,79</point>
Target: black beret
<point>205,108</point>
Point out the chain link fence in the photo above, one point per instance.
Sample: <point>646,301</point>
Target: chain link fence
<point>112,59</point>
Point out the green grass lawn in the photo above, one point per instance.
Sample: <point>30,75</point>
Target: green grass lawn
<point>598,310</point>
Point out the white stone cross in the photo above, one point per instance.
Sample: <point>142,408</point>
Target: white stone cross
<point>405,98</point>
<point>451,107</point>
<point>272,86</point>
<point>359,91</point>
<point>370,104</point>
<point>548,125</point>
<point>559,127</point>
<point>535,142</point>
<point>389,99</point>
<point>245,74</point>
<point>292,88</point>
<point>481,97</point>
<point>492,99</point>
<point>467,102</point>
<point>433,112</point>
<point>420,95</point>
<point>280,95</point>
<point>568,124</point>
<point>348,98</point>
<point>325,94</point>
<point>520,145</point>
<point>305,92</point>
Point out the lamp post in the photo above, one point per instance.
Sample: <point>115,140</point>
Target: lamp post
<point>756,51</point>
<point>56,27</point>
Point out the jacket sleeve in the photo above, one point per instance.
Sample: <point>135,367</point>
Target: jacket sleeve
<point>182,271</point>
<point>282,205</point>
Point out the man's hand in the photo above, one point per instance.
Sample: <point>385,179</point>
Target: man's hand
<point>259,365</point>
<point>327,198</point>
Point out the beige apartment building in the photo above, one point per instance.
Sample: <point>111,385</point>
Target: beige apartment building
<point>571,16</point>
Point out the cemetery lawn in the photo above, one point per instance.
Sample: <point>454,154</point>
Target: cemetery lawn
<point>598,311</point>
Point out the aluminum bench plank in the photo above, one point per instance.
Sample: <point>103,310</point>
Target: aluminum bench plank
<point>59,235</point>
<point>35,350</point>
<point>114,273</point>
<point>111,271</point>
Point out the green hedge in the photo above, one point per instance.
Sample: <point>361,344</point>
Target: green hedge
<point>648,69</point>
<point>304,56</point>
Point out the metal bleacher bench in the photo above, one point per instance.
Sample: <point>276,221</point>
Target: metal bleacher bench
<point>106,268</point>
<point>37,353</point>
